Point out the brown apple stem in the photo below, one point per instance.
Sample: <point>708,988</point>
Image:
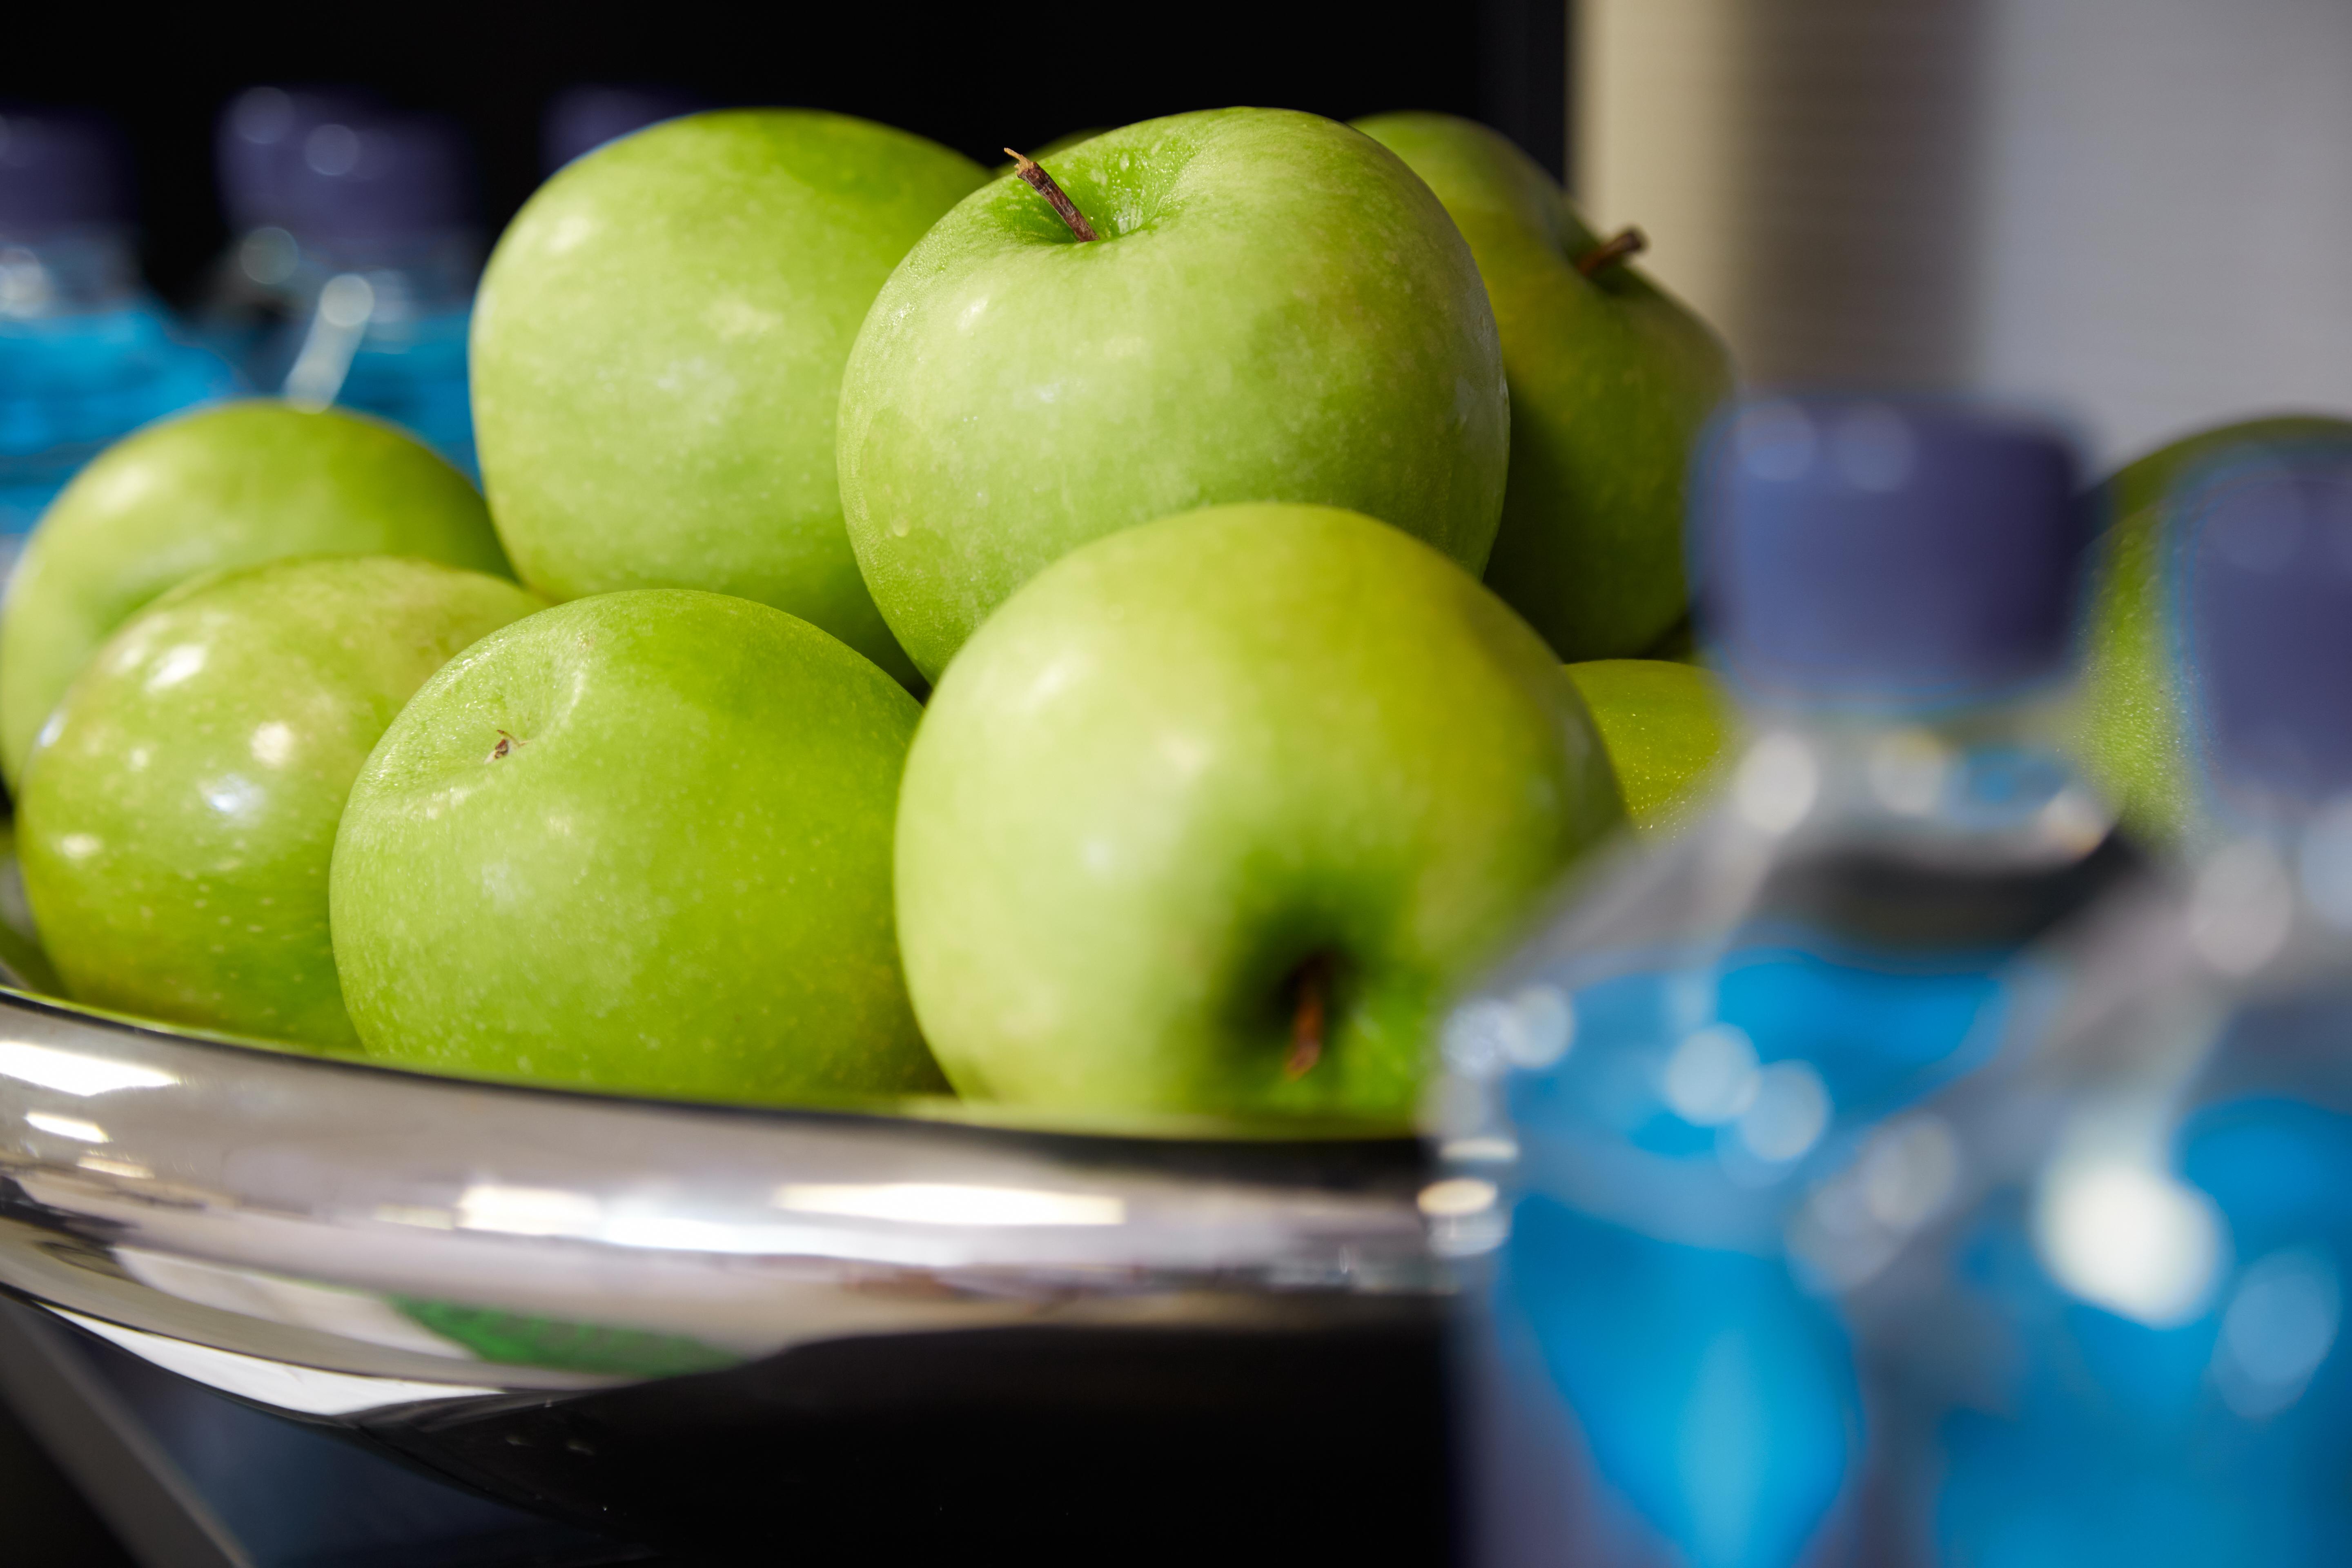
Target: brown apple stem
<point>1043,183</point>
<point>1625,242</point>
<point>1311,1004</point>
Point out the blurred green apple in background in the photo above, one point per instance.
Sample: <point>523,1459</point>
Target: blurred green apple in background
<point>1276,310</point>
<point>177,819</point>
<point>1612,380</point>
<point>1665,726</point>
<point>1214,813</point>
<point>657,351</point>
<point>2131,734</point>
<point>640,842</point>
<point>232,486</point>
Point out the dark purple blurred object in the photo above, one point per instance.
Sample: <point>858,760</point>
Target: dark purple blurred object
<point>1855,551</point>
<point>2262,560</point>
<point>260,135</point>
<point>60,170</point>
<point>329,164</point>
<point>579,120</point>
<point>379,179</point>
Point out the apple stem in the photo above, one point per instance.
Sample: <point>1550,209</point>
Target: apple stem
<point>1625,242</point>
<point>506,743</point>
<point>1312,988</point>
<point>1043,183</point>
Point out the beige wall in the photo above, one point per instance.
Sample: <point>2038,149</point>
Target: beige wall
<point>2135,212</point>
<point>1801,167</point>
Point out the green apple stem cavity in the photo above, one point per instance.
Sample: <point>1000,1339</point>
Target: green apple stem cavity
<point>1280,310</point>
<point>1215,812</point>
<point>1625,242</point>
<point>1612,380</point>
<point>1310,989</point>
<point>1043,183</point>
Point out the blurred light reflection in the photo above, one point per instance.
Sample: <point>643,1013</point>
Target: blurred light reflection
<point>71,1073</point>
<point>2129,1239</point>
<point>949,1203</point>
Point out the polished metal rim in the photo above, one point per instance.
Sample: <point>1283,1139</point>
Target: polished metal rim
<point>330,1238</point>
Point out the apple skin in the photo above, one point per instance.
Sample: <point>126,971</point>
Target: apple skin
<point>657,351</point>
<point>228,485</point>
<point>1664,725</point>
<point>1188,758</point>
<point>1277,311</point>
<point>1613,380</point>
<point>2130,735</point>
<point>675,881</point>
<point>177,819</point>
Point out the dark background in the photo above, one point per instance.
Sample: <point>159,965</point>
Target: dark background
<point>974,77</point>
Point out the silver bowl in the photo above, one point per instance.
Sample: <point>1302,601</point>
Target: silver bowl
<point>625,1312</point>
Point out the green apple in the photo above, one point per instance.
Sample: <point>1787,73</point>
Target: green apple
<point>657,351</point>
<point>1213,815</point>
<point>1276,310</point>
<point>1664,725</point>
<point>1612,380</point>
<point>640,843</point>
<point>231,486</point>
<point>2131,728</point>
<point>23,963</point>
<point>178,817</point>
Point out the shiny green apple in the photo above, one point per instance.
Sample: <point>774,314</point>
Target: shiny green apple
<point>2131,730</point>
<point>232,486</point>
<point>1664,724</point>
<point>657,351</point>
<point>640,842</point>
<point>1612,380</point>
<point>178,816</point>
<point>1274,310</point>
<point>1213,815</point>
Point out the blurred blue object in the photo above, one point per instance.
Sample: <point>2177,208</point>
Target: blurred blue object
<point>1639,1105</point>
<point>254,290</point>
<point>2119,1343</point>
<point>352,282</point>
<point>579,120</point>
<point>86,354</point>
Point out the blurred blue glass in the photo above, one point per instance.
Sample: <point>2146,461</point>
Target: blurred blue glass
<point>2121,1344</point>
<point>352,277</point>
<point>86,354</point>
<point>1714,1030</point>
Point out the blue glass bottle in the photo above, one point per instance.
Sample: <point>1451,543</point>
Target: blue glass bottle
<point>87,354</point>
<point>2120,1343</point>
<point>377,266</point>
<point>1637,1106</point>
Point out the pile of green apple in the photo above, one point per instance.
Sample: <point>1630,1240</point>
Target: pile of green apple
<point>1233,492</point>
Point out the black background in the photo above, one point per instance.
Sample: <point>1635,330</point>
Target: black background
<point>975,78</point>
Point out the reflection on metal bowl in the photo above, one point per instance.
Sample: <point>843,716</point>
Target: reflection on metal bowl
<point>716,1328</point>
